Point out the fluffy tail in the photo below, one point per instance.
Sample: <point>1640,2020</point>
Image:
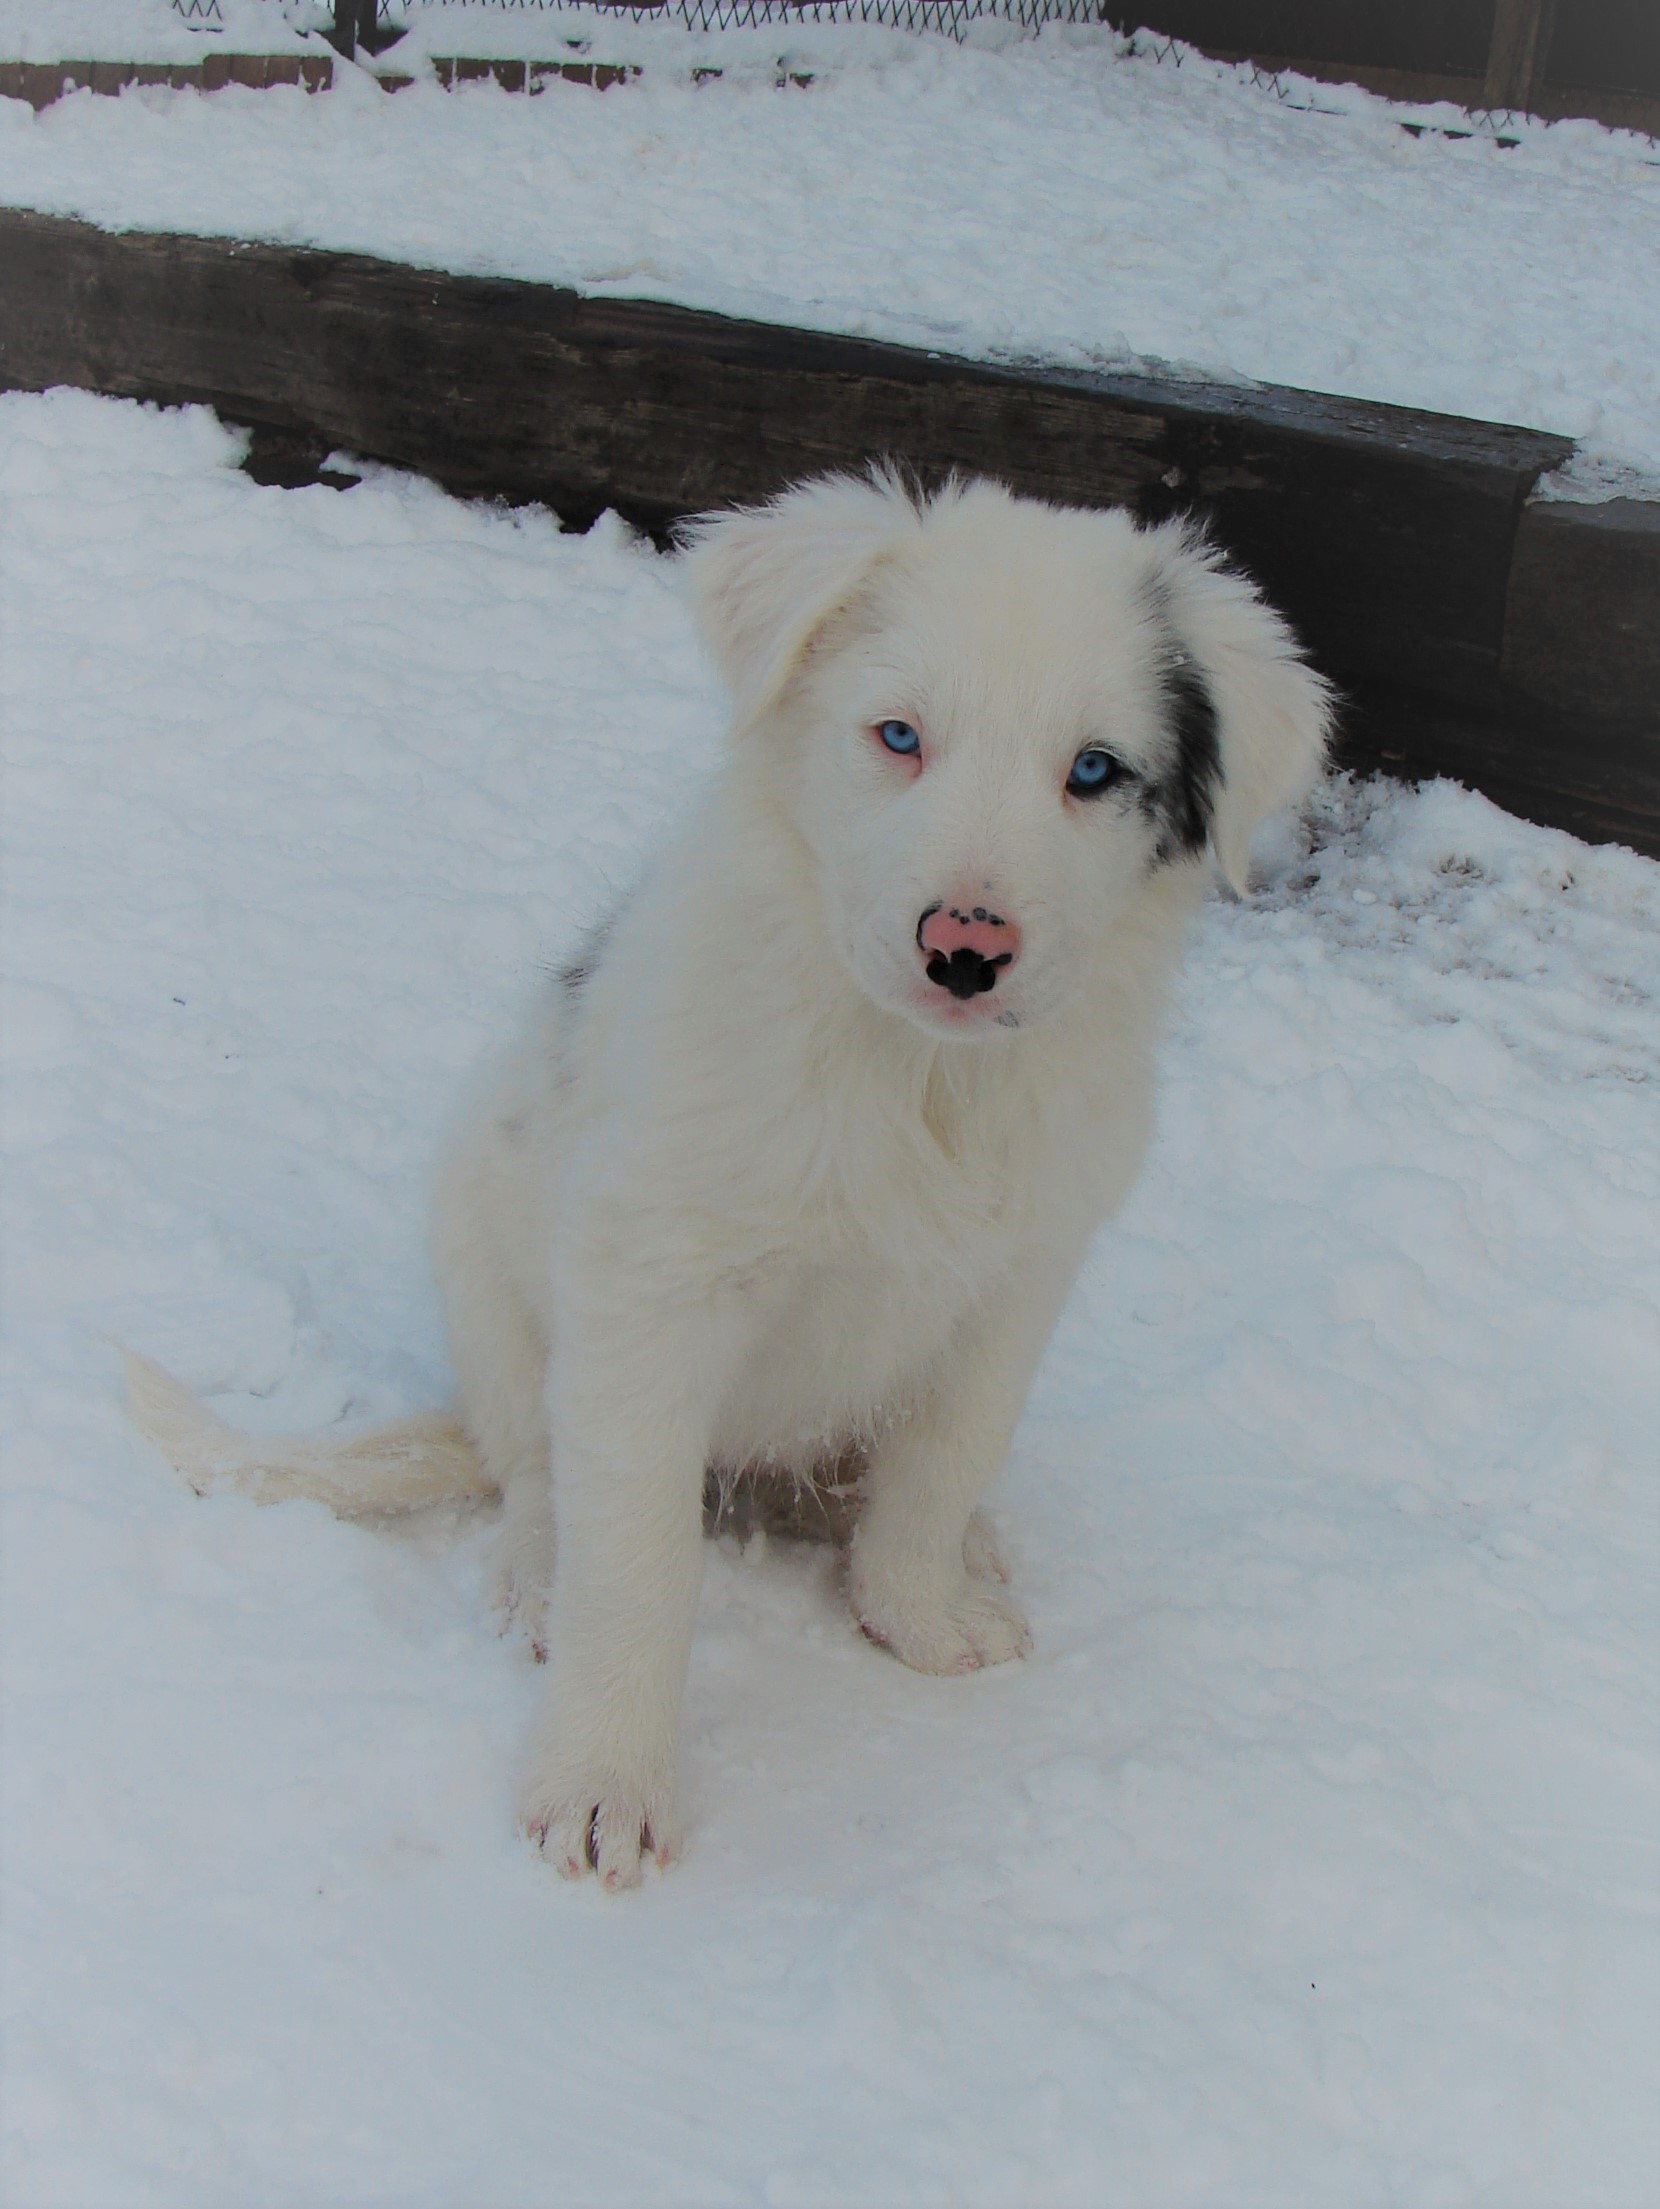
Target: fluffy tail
<point>399,1467</point>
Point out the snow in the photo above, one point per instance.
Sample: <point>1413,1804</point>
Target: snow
<point>1064,196</point>
<point>1312,1857</point>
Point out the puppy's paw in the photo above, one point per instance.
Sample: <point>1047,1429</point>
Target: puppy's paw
<point>960,1630</point>
<point>597,1820</point>
<point>612,1837</point>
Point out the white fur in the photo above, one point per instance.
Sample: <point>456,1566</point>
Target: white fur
<point>758,1193</point>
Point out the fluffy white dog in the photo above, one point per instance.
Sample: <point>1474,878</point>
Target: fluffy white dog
<point>797,1166</point>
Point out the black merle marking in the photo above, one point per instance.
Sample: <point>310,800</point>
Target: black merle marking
<point>574,977</point>
<point>994,920</point>
<point>1183,799</point>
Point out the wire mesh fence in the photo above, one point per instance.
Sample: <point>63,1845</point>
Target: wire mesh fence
<point>949,18</point>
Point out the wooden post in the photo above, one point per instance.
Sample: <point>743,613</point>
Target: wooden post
<point>356,23</point>
<point>1519,51</point>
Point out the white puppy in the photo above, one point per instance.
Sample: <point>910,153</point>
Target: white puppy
<point>798,1165</point>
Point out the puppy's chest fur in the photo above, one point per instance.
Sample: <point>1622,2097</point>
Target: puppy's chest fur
<point>845,1338</point>
<point>872,1248</point>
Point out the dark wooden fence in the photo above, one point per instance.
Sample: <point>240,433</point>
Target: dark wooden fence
<point>1579,57</point>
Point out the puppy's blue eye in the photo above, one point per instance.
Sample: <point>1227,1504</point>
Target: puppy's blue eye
<point>899,737</point>
<point>1092,772</point>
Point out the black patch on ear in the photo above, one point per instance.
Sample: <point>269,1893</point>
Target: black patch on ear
<point>1196,772</point>
<point>1183,800</point>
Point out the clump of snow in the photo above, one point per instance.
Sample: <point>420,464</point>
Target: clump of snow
<point>1068,196</point>
<point>1312,1857</point>
<point>1586,480</point>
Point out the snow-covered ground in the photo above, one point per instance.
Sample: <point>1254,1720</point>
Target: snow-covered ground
<point>1059,196</point>
<point>1313,1856</point>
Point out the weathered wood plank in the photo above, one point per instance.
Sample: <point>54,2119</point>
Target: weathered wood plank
<point>1582,629</point>
<point>1599,778</point>
<point>1581,661</point>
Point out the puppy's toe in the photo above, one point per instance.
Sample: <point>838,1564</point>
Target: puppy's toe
<point>977,1624</point>
<point>565,1837</point>
<point>624,1834</point>
<point>982,1557</point>
<point>990,1625</point>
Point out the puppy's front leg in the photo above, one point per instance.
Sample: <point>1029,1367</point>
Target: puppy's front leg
<point>632,1405</point>
<point>911,1589</point>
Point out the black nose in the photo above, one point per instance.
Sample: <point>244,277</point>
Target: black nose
<point>966,973</point>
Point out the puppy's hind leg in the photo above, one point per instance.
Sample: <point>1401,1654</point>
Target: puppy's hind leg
<point>499,1351</point>
<point>501,1369</point>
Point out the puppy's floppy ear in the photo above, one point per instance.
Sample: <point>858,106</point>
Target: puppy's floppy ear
<point>765,579</point>
<point>1251,719</point>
